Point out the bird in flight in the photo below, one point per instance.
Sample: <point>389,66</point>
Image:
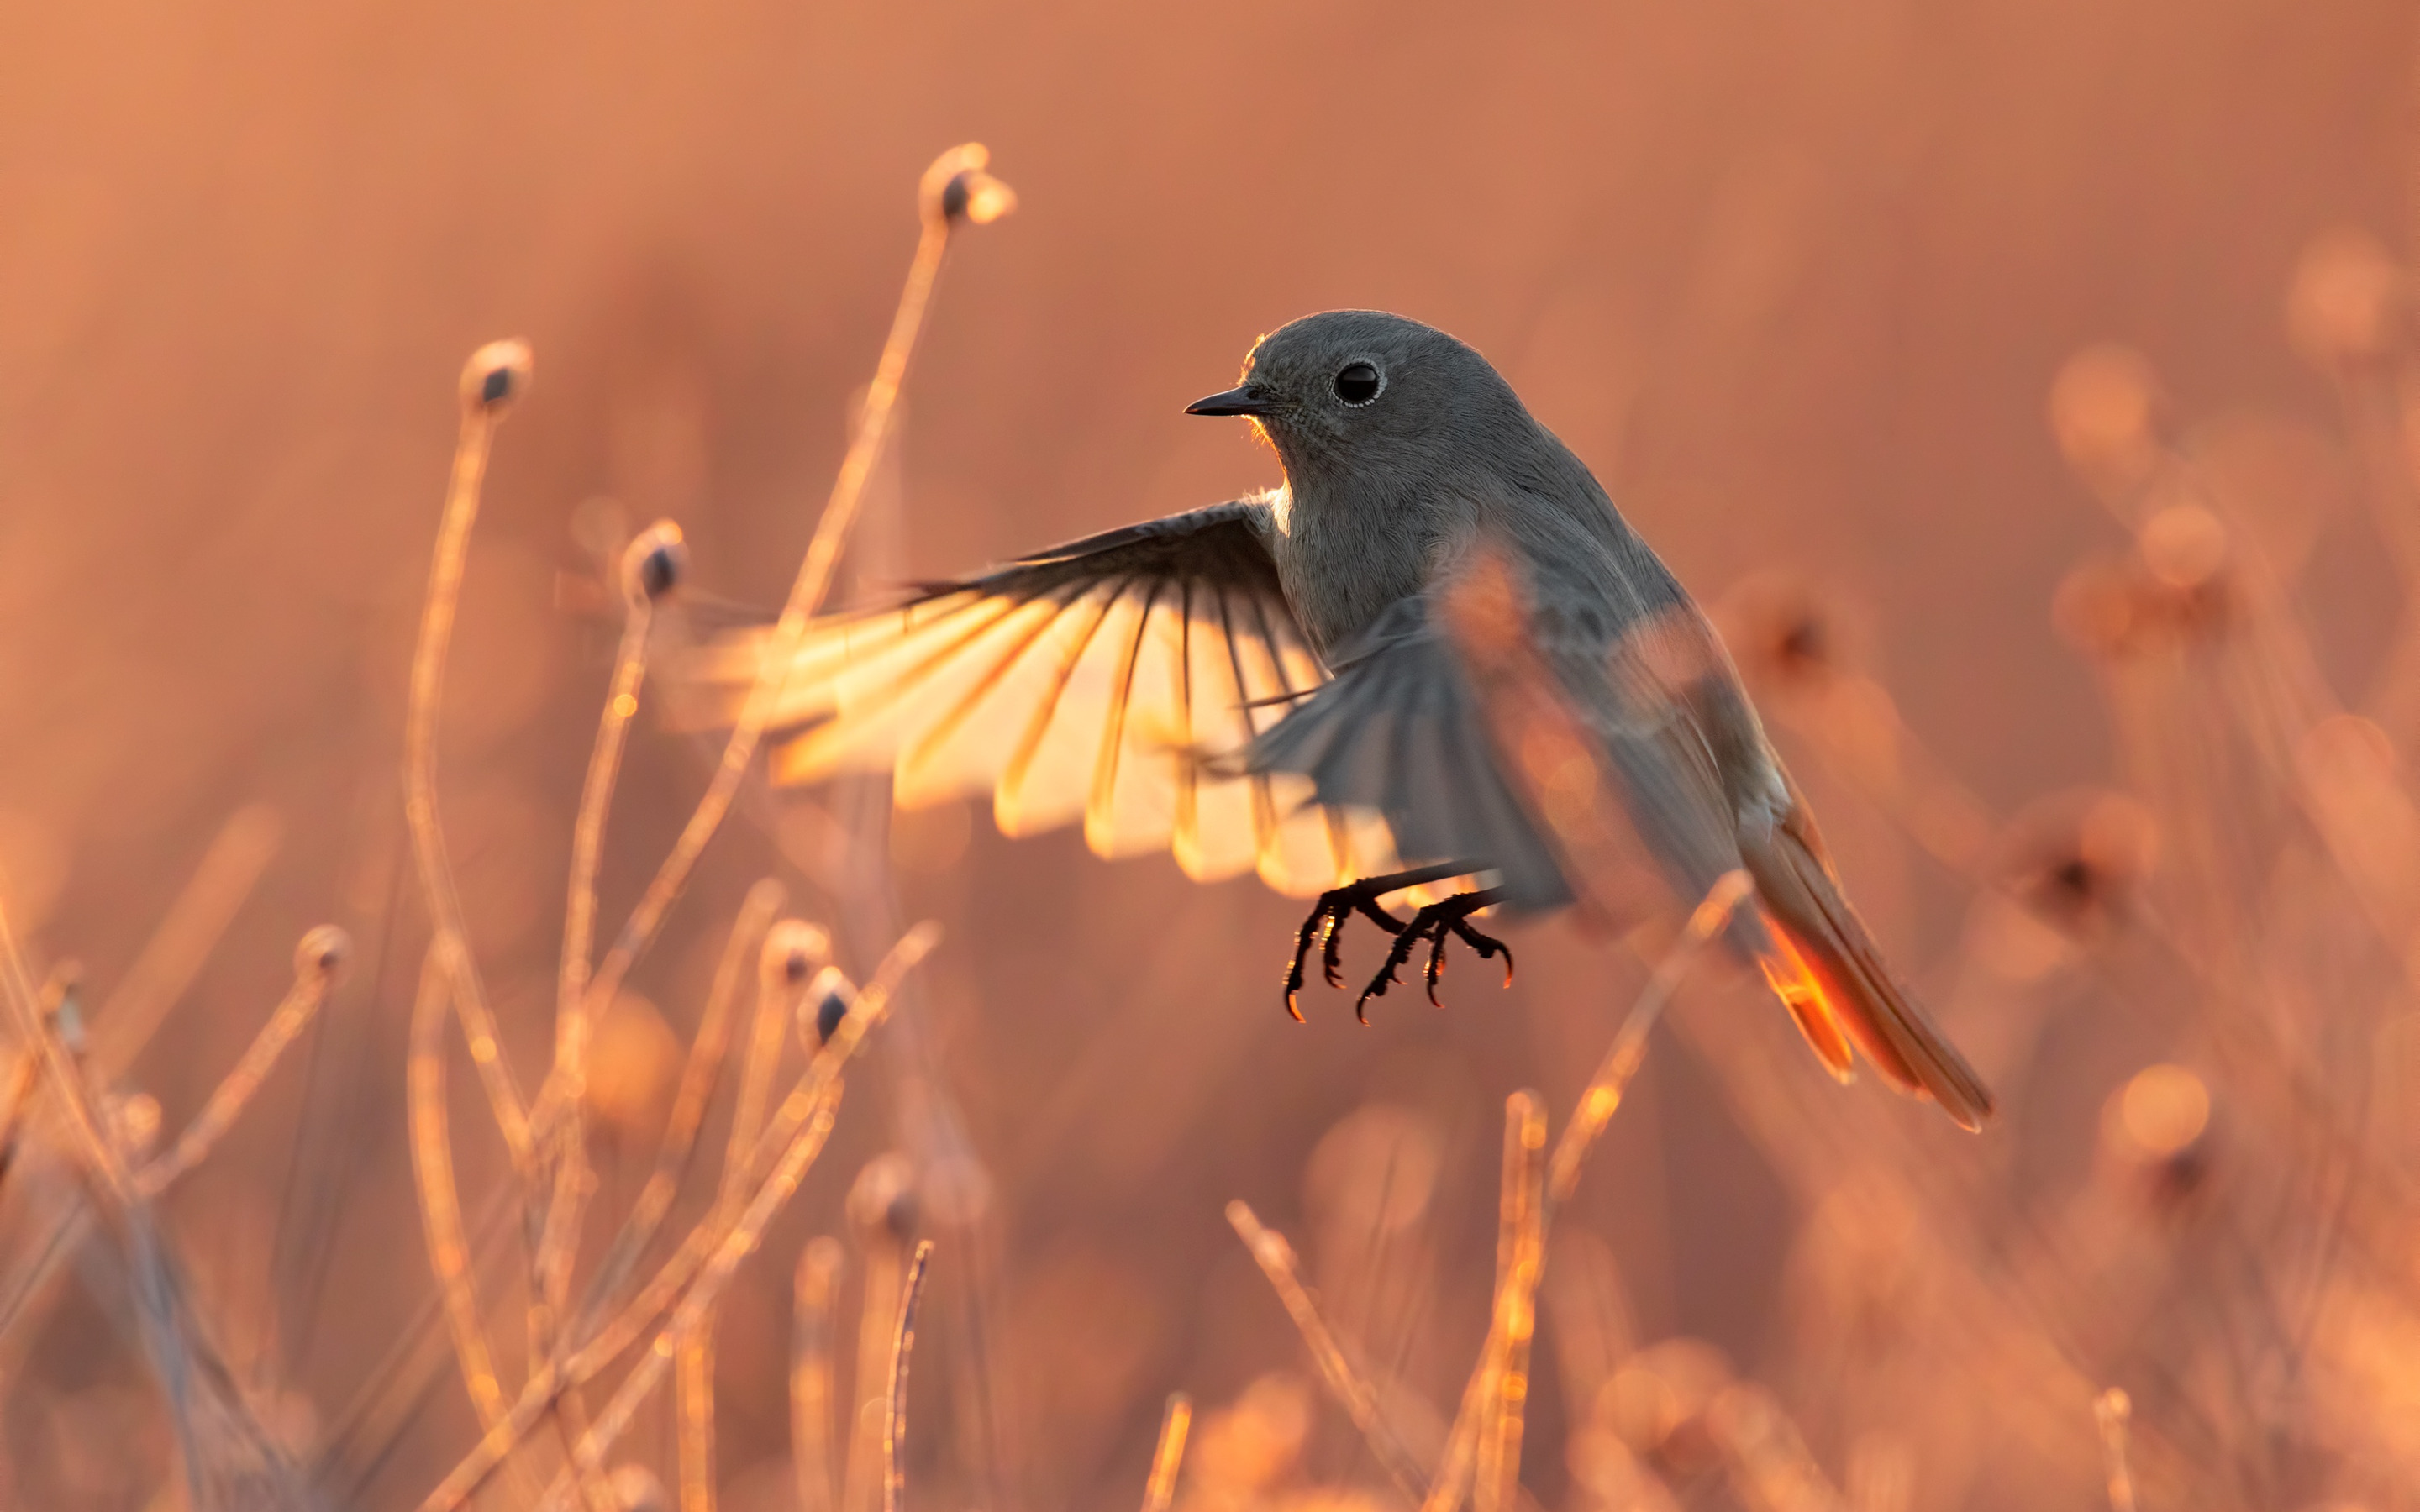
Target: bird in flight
<point>1269,684</point>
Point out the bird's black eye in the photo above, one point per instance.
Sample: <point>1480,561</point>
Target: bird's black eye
<point>1358,383</point>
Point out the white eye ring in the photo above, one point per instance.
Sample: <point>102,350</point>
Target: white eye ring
<point>1336,384</point>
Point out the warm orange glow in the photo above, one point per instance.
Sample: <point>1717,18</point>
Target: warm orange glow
<point>1795,982</point>
<point>2029,393</point>
<point>2162,1110</point>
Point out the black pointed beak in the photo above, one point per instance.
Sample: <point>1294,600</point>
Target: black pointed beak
<point>1243,401</point>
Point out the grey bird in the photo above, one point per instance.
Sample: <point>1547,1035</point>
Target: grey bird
<point>1268,684</point>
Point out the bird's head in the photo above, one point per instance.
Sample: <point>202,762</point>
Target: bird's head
<point>1365,392</point>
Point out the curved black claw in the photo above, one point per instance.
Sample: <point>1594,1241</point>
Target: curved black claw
<point>1437,923</point>
<point>1325,926</point>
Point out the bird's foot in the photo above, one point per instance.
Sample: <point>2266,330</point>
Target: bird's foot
<point>1324,927</point>
<point>1437,923</point>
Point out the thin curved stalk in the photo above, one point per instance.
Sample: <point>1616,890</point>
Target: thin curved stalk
<point>807,592</point>
<point>441,1202</point>
<point>420,773</point>
<point>698,1076</point>
<point>1159,1493</point>
<point>293,1014</point>
<point>894,1417</point>
<point>815,1291</point>
<point>727,1246</point>
<point>693,1403</point>
<point>573,1018</point>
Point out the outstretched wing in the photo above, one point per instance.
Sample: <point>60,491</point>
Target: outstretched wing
<point>1402,731</point>
<point>1101,680</point>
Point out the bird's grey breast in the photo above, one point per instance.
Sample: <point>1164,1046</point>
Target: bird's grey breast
<point>1346,554</point>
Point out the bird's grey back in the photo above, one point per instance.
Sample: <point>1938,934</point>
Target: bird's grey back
<point>1385,501</point>
<point>1379,500</point>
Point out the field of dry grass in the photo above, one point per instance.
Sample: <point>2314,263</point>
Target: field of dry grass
<point>434,1072</point>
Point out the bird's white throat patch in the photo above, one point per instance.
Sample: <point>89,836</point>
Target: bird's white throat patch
<point>1282,509</point>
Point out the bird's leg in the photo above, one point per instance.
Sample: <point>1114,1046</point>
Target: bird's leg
<point>1437,923</point>
<point>1336,904</point>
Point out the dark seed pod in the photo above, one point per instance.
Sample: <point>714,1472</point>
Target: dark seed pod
<point>653,563</point>
<point>496,375</point>
<point>956,191</point>
<point>2078,860</point>
<point>793,950</point>
<point>322,952</point>
<point>882,1202</point>
<point>1789,638</point>
<point>833,997</point>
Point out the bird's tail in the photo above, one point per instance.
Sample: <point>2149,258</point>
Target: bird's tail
<point>1827,970</point>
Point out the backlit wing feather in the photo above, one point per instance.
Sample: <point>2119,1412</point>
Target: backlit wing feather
<point>1101,680</point>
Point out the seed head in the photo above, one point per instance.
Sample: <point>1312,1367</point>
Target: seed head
<point>2123,607</point>
<point>827,1000</point>
<point>882,1202</point>
<point>1787,636</point>
<point>2183,545</point>
<point>2157,1126</point>
<point>322,953</point>
<point>654,562</point>
<point>2347,300</point>
<point>2078,860</point>
<point>955,188</point>
<point>2105,409</point>
<point>793,950</point>
<point>134,1120</point>
<point>496,375</point>
<point>1658,1402</point>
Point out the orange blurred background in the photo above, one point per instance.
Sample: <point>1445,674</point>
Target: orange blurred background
<point>1794,280</point>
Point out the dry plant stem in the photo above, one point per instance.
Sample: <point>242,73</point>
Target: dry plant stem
<point>100,1153</point>
<point>357,1437</point>
<point>1597,1107</point>
<point>816,1290</point>
<point>562,1099</point>
<point>303,1000</point>
<point>671,1286</point>
<point>1522,1205</point>
<point>1160,1492</point>
<point>420,781</point>
<point>886,1270</point>
<point>131,1013</point>
<point>66,1237</point>
<point>814,1097</point>
<point>814,1106</point>
<point>164,1341</point>
<point>765,1035</point>
<point>594,1485</point>
<point>1622,1059</point>
<point>1352,1392</point>
<point>571,1004</point>
<point>894,1417</point>
<point>698,1076</point>
<point>806,594</point>
<point>450,1261</point>
<point>801,1139</point>
<point>693,1401</point>
<point>440,1203</point>
<point>2112,1410</point>
<point>697,1305</point>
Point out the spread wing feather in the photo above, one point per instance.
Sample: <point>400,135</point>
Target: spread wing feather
<point>1399,732</point>
<point>1099,681</point>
